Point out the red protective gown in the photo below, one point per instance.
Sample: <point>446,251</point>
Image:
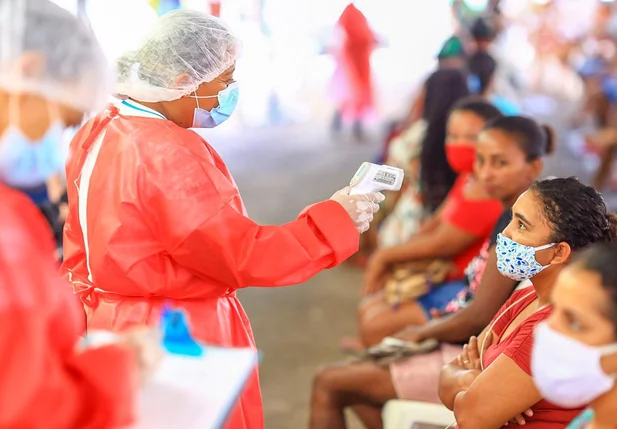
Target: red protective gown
<point>165,223</point>
<point>44,382</point>
<point>352,84</point>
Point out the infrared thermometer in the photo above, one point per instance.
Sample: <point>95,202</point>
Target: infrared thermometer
<point>376,178</point>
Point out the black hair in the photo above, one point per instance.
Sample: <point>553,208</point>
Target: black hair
<point>533,139</point>
<point>479,107</point>
<point>482,66</point>
<point>481,30</point>
<point>600,259</point>
<point>441,91</point>
<point>576,212</point>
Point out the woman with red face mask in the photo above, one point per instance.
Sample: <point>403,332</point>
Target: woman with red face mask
<point>455,233</point>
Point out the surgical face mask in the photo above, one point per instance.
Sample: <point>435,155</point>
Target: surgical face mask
<point>461,157</point>
<point>567,372</point>
<point>227,98</point>
<point>25,163</point>
<point>517,261</point>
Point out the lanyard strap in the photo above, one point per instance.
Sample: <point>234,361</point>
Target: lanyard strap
<point>138,110</point>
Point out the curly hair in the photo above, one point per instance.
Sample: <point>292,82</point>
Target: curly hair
<point>576,212</point>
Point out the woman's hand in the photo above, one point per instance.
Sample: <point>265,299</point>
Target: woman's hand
<point>520,419</point>
<point>375,275</point>
<point>470,356</point>
<point>359,207</point>
<point>146,345</point>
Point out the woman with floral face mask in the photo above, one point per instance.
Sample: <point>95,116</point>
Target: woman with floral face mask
<point>490,382</point>
<point>574,360</point>
<point>155,217</point>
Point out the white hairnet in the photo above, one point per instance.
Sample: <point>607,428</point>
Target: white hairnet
<point>45,50</point>
<point>183,42</point>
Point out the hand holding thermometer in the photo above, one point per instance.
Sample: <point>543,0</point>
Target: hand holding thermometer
<point>376,178</point>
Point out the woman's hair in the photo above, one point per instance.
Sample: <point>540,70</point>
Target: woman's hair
<point>442,90</point>
<point>600,259</point>
<point>479,107</point>
<point>576,212</point>
<point>481,30</point>
<point>533,139</point>
<point>481,66</point>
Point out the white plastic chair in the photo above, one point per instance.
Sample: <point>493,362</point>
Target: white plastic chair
<point>399,414</point>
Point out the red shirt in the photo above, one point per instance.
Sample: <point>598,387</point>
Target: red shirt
<point>477,217</point>
<point>517,346</point>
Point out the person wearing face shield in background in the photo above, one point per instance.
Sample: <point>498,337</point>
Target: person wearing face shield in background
<point>156,219</point>
<point>52,70</point>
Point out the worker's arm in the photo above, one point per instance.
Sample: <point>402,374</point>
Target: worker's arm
<point>232,249</point>
<point>493,291</point>
<point>195,211</point>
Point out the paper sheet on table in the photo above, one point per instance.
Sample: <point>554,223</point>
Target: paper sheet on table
<point>195,393</point>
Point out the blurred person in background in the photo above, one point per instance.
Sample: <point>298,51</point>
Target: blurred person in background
<point>52,70</point>
<point>352,82</point>
<point>574,359</point>
<point>482,68</point>
<point>156,218</point>
<point>451,56</point>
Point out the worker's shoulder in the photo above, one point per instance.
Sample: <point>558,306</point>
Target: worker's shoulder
<point>154,136</point>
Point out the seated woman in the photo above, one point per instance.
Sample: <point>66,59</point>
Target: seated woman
<point>444,88</point>
<point>579,340</point>
<point>490,382</point>
<point>456,232</point>
<point>509,155</point>
<point>482,67</point>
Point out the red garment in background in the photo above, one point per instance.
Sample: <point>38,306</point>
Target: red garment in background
<point>517,346</point>
<point>352,85</point>
<point>476,217</point>
<point>215,8</point>
<point>44,382</point>
<point>166,224</point>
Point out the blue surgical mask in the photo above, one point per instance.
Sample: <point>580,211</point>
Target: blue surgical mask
<point>227,98</point>
<point>25,163</point>
<point>517,261</point>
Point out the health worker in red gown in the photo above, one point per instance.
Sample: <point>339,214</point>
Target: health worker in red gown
<point>51,72</point>
<point>155,217</point>
<point>352,84</point>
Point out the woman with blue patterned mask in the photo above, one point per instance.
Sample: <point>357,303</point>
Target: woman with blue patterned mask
<point>491,382</point>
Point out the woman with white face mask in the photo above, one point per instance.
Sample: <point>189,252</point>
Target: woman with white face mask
<point>574,359</point>
<point>156,218</point>
<point>490,382</point>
